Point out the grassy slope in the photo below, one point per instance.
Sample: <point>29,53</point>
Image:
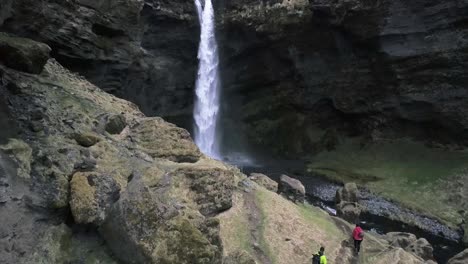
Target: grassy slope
<point>292,233</point>
<point>404,171</point>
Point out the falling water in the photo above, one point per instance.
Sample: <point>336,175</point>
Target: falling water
<point>207,85</point>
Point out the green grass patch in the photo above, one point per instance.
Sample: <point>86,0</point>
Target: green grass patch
<point>262,199</point>
<point>319,218</point>
<point>404,171</point>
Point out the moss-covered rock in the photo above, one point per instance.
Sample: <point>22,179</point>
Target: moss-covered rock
<point>23,54</point>
<point>164,140</point>
<point>115,124</point>
<point>86,139</point>
<point>91,194</point>
<point>211,187</point>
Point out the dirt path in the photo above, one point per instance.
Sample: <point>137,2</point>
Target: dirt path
<point>255,226</point>
<point>346,253</point>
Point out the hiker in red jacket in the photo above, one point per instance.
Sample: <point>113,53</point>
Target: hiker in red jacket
<point>358,236</point>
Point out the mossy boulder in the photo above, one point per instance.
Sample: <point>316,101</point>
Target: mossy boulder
<point>91,195</point>
<point>164,140</point>
<point>147,226</point>
<point>86,139</point>
<point>23,54</point>
<point>115,124</point>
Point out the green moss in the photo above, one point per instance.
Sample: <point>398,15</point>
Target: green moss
<point>404,171</point>
<point>184,243</point>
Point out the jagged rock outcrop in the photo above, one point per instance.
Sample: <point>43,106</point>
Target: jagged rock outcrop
<point>347,203</point>
<point>141,50</point>
<point>409,242</point>
<point>146,193</point>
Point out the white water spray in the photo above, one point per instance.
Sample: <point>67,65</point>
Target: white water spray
<point>207,85</point>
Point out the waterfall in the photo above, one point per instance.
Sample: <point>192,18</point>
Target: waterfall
<point>207,85</point>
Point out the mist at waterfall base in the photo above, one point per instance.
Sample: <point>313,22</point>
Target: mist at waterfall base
<point>207,89</point>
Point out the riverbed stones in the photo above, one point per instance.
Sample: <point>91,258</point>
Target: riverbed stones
<point>292,189</point>
<point>264,181</point>
<point>23,54</point>
<point>461,258</point>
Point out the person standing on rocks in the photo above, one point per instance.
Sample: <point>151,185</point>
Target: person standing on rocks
<point>358,236</point>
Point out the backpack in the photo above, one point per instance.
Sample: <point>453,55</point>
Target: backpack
<point>361,234</point>
<point>316,259</point>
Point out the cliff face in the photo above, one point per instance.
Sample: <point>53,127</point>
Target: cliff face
<point>144,51</point>
<point>379,69</point>
<point>311,69</point>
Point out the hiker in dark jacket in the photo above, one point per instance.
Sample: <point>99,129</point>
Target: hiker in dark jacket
<point>358,236</point>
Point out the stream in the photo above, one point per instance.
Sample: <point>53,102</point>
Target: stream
<point>321,192</point>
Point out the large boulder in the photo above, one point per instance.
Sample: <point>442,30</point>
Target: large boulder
<point>264,181</point>
<point>348,193</point>
<point>23,54</point>
<point>409,242</point>
<point>400,239</point>
<point>421,248</point>
<point>461,258</point>
<point>349,211</point>
<point>291,188</point>
<point>147,226</point>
